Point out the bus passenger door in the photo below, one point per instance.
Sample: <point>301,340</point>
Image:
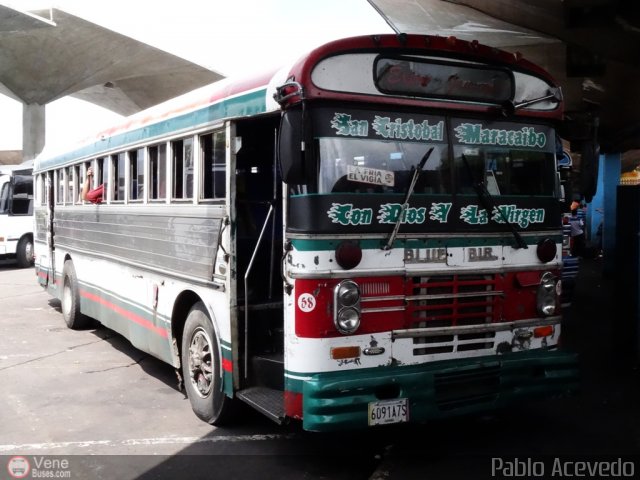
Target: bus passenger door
<point>258,245</point>
<point>48,264</point>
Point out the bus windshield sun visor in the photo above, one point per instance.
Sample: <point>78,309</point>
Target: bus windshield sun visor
<point>405,203</point>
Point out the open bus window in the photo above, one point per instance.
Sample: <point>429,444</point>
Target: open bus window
<point>505,171</point>
<point>60,187</point>
<point>69,184</point>
<point>182,168</point>
<point>99,173</point>
<point>118,163</point>
<point>136,173</point>
<point>77,173</point>
<point>40,189</point>
<point>349,165</point>
<point>158,172</point>
<point>213,165</point>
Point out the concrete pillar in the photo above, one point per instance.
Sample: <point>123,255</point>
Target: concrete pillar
<point>603,207</point>
<point>33,130</point>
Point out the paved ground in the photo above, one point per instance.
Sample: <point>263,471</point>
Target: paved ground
<point>71,394</point>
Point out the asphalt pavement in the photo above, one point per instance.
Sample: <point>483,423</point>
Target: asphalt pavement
<point>111,411</point>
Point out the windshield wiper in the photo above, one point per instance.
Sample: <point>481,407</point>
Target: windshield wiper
<point>405,203</point>
<point>490,205</point>
<point>509,107</point>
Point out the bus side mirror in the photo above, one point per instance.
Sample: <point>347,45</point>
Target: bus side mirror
<point>291,147</point>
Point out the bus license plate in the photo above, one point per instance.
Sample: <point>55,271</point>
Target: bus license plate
<point>389,411</point>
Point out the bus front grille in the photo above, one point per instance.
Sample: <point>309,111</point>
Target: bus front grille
<point>452,301</point>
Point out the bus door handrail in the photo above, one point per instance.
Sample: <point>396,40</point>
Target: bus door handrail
<point>246,291</point>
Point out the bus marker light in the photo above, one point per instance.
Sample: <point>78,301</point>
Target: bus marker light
<point>341,353</point>
<point>348,254</point>
<point>546,250</point>
<point>540,332</point>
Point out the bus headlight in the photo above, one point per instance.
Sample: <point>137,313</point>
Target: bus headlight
<point>346,307</point>
<point>547,294</point>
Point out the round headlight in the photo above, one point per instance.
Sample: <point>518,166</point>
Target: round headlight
<point>348,320</point>
<point>548,293</point>
<point>548,305</point>
<point>548,282</point>
<point>348,294</point>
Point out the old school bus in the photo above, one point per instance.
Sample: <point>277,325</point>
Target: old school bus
<point>369,236</point>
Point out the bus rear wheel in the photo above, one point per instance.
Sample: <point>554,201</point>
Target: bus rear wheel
<point>202,369</point>
<point>71,298</point>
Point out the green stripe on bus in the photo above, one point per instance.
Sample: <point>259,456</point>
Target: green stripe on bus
<point>307,245</point>
<point>248,104</point>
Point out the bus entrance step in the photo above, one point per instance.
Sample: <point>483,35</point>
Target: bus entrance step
<point>266,400</point>
<point>268,370</point>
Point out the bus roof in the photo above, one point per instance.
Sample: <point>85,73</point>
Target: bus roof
<point>229,98</point>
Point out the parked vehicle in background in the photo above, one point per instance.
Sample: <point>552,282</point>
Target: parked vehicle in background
<point>16,214</point>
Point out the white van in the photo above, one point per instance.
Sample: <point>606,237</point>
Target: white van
<point>16,214</point>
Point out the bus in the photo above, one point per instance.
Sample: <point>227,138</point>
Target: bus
<point>368,236</point>
<point>16,214</point>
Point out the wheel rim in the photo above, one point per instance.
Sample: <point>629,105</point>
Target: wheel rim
<point>66,299</point>
<point>200,362</point>
<point>28,252</point>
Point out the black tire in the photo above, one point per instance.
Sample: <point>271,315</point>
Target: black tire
<point>24,252</point>
<point>70,298</point>
<point>202,369</point>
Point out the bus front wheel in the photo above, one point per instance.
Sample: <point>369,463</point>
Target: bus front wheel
<point>202,370</point>
<point>71,298</point>
<point>24,252</point>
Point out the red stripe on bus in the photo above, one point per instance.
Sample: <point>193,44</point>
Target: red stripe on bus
<point>42,274</point>
<point>227,365</point>
<point>126,313</point>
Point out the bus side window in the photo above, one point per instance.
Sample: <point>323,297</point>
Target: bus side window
<point>158,172</point>
<point>136,159</point>
<point>60,183</point>
<point>213,165</point>
<point>77,175</point>
<point>99,172</point>
<point>69,184</point>
<point>118,162</point>
<point>182,168</point>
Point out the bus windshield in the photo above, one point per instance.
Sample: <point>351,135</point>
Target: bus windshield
<point>376,166</point>
<point>505,171</point>
<point>375,154</point>
<point>4,197</point>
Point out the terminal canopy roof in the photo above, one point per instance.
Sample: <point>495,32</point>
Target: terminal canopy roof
<point>47,55</point>
<point>591,47</point>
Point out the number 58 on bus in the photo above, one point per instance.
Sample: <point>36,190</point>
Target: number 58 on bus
<point>368,236</point>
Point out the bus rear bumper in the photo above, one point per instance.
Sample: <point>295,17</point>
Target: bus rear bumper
<point>340,400</point>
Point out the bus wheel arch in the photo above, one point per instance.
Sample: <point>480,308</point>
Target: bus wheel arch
<point>201,362</point>
<point>24,251</point>
<point>181,308</point>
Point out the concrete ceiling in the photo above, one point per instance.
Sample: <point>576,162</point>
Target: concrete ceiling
<point>591,47</point>
<point>45,58</point>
